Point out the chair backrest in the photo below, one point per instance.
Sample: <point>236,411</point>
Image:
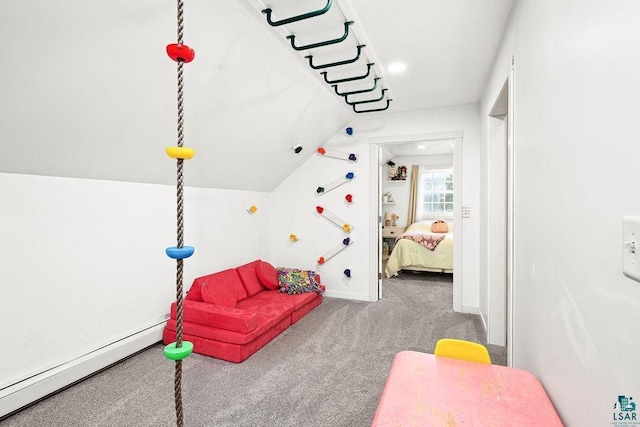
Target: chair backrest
<point>460,349</point>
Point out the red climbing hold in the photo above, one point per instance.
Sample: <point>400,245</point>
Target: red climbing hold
<point>320,209</point>
<point>321,260</point>
<point>349,198</point>
<point>322,151</point>
<point>180,52</point>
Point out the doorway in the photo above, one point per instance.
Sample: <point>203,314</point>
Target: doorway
<point>376,177</point>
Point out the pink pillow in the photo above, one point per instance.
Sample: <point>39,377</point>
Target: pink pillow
<point>267,275</point>
<point>218,294</point>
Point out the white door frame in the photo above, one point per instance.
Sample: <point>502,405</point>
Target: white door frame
<point>375,254</point>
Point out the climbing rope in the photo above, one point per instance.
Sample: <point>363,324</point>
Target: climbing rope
<point>180,349</point>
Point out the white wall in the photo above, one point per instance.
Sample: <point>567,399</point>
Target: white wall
<point>576,175</point>
<point>92,93</point>
<point>83,262</point>
<point>295,199</point>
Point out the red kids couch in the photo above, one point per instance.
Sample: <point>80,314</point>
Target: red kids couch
<point>232,314</point>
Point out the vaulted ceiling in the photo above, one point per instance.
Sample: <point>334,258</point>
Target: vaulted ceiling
<point>88,91</point>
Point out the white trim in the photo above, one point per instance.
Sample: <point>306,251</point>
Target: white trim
<point>347,295</point>
<point>470,309</point>
<point>458,225</point>
<point>45,383</point>
<point>510,216</point>
<point>457,204</point>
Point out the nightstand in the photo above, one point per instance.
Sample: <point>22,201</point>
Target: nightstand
<point>389,235</point>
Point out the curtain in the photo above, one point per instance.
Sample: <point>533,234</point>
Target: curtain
<point>413,195</point>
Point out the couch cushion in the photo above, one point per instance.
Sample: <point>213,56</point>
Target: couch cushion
<point>249,278</point>
<point>218,293</point>
<point>296,301</point>
<point>227,278</point>
<point>267,275</point>
<point>194,293</point>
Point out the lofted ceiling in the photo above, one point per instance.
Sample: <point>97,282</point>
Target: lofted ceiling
<point>88,92</point>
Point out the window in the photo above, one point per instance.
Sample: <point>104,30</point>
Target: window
<point>435,193</point>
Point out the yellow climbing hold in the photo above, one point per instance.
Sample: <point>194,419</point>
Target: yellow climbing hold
<point>293,238</point>
<point>253,209</point>
<point>347,228</point>
<point>180,152</point>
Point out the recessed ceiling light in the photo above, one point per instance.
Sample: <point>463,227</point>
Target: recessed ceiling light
<point>397,67</point>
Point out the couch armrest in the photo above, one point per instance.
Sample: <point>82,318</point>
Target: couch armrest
<point>216,316</point>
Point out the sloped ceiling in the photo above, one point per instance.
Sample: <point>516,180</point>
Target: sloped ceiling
<point>87,90</point>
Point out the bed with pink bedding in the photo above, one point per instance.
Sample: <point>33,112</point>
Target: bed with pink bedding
<point>420,249</point>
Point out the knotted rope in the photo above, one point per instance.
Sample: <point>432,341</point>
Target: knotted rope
<point>180,223</point>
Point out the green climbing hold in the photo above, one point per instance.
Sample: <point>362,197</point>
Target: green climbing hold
<point>320,190</point>
<point>178,353</point>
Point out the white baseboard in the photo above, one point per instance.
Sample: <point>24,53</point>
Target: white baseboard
<point>470,309</point>
<point>484,322</point>
<point>30,390</point>
<point>346,295</point>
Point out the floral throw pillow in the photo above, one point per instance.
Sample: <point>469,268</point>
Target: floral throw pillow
<point>293,281</point>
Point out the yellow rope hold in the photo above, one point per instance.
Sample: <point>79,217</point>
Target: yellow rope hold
<point>180,152</point>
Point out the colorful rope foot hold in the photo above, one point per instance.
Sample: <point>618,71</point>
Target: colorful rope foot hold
<point>180,52</point>
<point>178,353</point>
<point>180,152</point>
<point>180,253</point>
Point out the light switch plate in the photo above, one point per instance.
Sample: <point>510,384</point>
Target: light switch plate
<point>631,247</point>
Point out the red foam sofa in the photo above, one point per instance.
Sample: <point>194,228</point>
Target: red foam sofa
<point>232,314</point>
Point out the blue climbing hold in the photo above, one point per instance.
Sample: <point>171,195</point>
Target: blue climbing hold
<point>350,175</point>
<point>349,131</point>
<point>180,253</point>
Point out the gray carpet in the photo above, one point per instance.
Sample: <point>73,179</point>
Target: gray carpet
<point>328,369</point>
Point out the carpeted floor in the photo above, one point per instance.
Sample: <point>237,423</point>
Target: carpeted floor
<point>328,369</point>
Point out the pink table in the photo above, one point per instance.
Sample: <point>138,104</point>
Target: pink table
<point>427,390</point>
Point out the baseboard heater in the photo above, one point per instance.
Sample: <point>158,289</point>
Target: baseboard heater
<point>26,392</point>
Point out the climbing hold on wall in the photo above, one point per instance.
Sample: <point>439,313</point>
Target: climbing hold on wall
<point>349,198</point>
<point>297,148</point>
<point>347,272</point>
<point>334,251</point>
<point>335,183</point>
<point>252,209</point>
<point>293,238</point>
<point>349,131</point>
<point>337,154</point>
<point>335,219</point>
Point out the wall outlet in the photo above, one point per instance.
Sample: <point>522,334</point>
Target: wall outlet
<point>631,247</point>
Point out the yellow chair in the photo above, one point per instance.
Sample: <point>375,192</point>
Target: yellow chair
<point>460,349</point>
